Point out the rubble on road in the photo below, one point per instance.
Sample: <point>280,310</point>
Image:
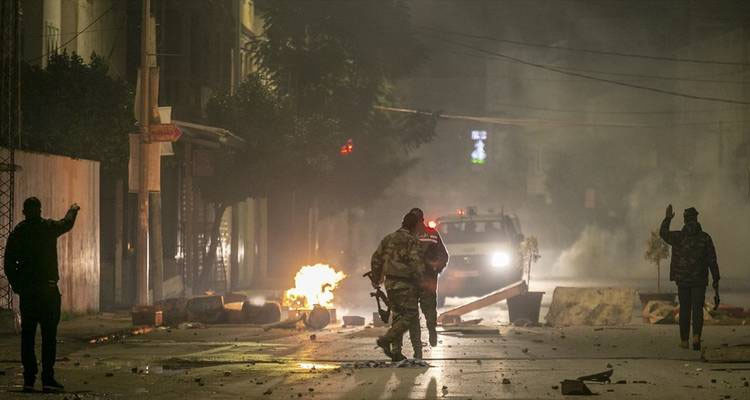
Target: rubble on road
<point>174,310</point>
<point>191,325</point>
<point>207,309</point>
<point>573,387</point>
<point>664,312</point>
<point>146,316</point>
<point>408,363</point>
<point>353,320</point>
<point>727,354</point>
<point>659,312</point>
<point>471,330</point>
<point>591,306</point>
<point>412,363</point>
<point>268,313</point>
<point>289,323</point>
<point>602,377</point>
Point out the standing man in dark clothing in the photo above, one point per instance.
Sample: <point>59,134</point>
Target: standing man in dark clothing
<point>434,255</point>
<point>693,255</point>
<point>397,263</point>
<point>31,268</point>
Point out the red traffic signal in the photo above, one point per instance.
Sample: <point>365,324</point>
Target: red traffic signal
<point>347,148</point>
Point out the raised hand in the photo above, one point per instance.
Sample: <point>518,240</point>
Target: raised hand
<point>669,212</point>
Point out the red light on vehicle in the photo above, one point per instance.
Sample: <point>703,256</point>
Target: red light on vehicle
<point>347,148</point>
<point>432,224</point>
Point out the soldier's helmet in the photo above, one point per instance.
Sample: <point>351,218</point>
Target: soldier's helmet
<point>690,212</point>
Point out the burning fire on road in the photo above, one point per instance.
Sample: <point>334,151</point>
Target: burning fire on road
<point>313,285</point>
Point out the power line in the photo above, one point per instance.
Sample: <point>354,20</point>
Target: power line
<point>562,110</point>
<point>582,50</point>
<point>74,36</point>
<point>640,76</point>
<point>544,122</point>
<point>610,81</point>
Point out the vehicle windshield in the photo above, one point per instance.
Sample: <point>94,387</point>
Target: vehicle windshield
<point>472,232</point>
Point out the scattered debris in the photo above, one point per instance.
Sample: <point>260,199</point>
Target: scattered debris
<point>109,374</point>
<point>191,325</point>
<point>727,354</point>
<point>591,306</point>
<point>353,320</point>
<point>290,323</point>
<point>318,318</point>
<point>268,313</point>
<point>367,364</point>
<point>598,377</point>
<point>412,363</point>
<point>207,309</point>
<point>471,330</point>
<point>570,387</point>
<point>659,312</point>
<point>506,381</point>
<point>313,337</point>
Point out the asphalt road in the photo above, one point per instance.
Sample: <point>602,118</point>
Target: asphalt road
<point>245,362</point>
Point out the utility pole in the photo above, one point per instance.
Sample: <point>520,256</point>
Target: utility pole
<point>142,263</point>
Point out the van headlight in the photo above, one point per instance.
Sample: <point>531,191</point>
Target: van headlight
<point>500,259</point>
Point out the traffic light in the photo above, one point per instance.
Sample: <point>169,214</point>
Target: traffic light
<point>347,148</point>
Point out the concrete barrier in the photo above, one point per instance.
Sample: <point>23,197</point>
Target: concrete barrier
<point>591,306</point>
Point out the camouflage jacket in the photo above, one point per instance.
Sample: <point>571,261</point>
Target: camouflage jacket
<point>397,261</point>
<point>432,249</point>
<point>693,254</point>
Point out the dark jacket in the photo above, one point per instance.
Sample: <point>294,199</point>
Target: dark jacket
<point>31,252</point>
<point>693,254</point>
<point>432,249</point>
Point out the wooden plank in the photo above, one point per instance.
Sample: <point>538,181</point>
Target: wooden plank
<point>515,289</point>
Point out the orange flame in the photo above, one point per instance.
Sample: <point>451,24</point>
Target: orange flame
<point>313,284</point>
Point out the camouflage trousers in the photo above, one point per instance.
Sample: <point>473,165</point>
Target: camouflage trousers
<point>428,305</point>
<point>405,314</point>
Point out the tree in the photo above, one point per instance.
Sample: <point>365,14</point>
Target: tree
<point>656,251</point>
<point>76,109</point>
<point>323,66</point>
<point>333,62</point>
<point>530,253</point>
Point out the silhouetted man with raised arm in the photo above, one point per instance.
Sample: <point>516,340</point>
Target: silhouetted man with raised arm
<point>693,256</point>
<point>31,268</point>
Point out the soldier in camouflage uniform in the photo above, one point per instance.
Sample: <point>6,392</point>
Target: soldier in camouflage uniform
<point>434,255</point>
<point>397,263</point>
<point>693,256</point>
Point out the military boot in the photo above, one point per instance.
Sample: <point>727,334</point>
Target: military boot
<point>398,357</point>
<point>433,336</point>
<point>418,354</point>
<point>696,342</point>
<point>385,345</point>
